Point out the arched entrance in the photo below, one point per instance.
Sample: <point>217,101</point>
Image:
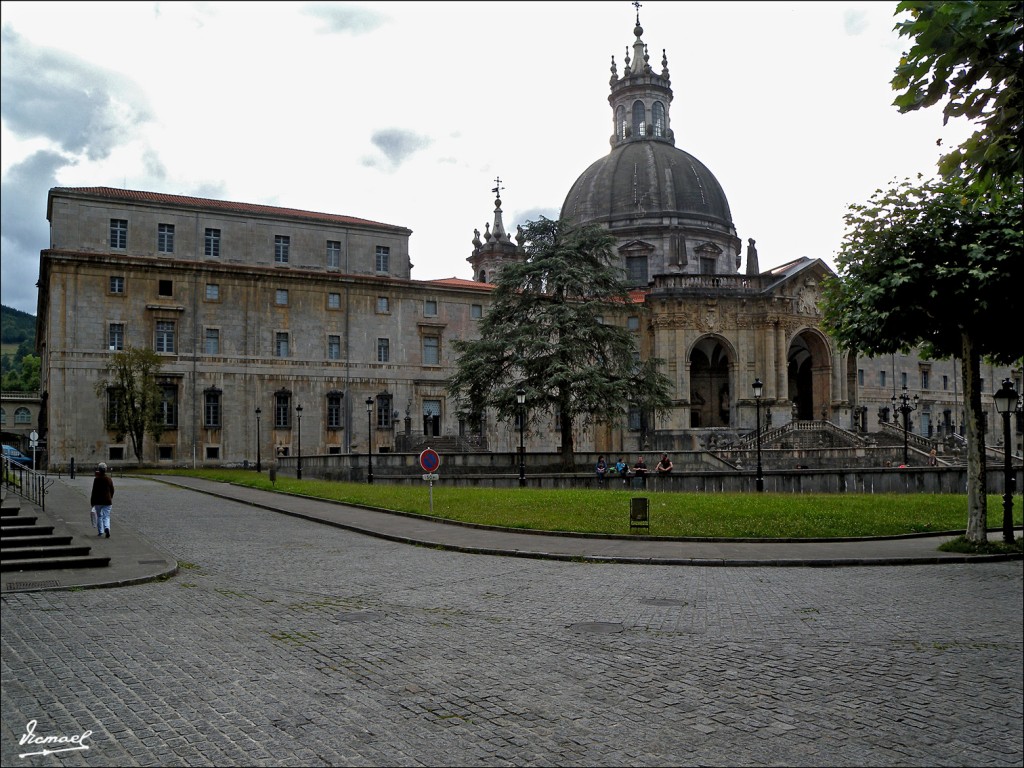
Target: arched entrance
<point>710,396</point>
<point>809,376</point>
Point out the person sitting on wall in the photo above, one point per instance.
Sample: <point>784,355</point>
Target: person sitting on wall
<point>664,466</point>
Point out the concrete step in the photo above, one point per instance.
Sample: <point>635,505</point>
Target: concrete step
<point>34,541</point>
<point>26,530</point>
<point>6,522</point>
<point>58,550</point>
<point>53,563</point>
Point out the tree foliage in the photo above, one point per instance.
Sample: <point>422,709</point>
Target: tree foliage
<point>546,331</point>
<point>133,396</point>
<point>968,53</point>
<point>934,265</point>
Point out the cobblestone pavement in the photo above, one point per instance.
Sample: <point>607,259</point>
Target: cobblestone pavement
<point>284,642</point>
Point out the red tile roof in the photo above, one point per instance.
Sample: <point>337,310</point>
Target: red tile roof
<point>458,282</point>
<point>160,198</point>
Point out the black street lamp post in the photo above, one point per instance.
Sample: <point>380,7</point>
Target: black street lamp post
<point>521,400</point>
<point>298,464</point>
<point>369,439</point>
<point>259,464</point>
<point>1006,402</point>
<point>906,409</point>
<point>758,389</point>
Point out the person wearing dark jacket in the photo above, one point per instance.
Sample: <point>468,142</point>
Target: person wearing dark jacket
<point>102,499</point>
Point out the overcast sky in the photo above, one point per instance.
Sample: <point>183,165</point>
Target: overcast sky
<point>405,113</point>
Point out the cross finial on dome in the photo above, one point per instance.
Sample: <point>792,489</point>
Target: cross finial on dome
<point>636,4</point>
<point>497,187</point>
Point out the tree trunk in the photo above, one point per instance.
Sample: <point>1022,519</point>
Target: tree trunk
<point>567,457</point>
<point>977,501</point>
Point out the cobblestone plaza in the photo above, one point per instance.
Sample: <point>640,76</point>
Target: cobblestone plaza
<point>284,642</point>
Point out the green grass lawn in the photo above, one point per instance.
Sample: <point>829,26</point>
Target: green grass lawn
<point>729,515</point>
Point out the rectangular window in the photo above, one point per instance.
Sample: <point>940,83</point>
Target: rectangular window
<point>431,350</point>
<point>903,379</point>
<point>383,304</point>
<point>634,417</point>
<point>633,323</point>
<point>165,238</point>
<point>881,378</point>
<point>636,270</point>
<point>334,254</point>
<point>383,259</point>
<point>476,311</point>
<point>924,378</point>
<point>211,243</point>
<point>334,301</point>
<point>211,343</point>
<point>169,405</point>
<point>116,284</point>
<point>164,336</point>
<point>860,377</point>
<point>430,308</point>
<point>116,453</point>
<point>281,245</point>
<point>119,233</point>
<point>165,288</point>
<point>383,350</point>
<point>334,347</point>
<point>945,383</point>
<point>211,409</point>
<point>213,452</point>
<point>212,292</point>
<point>281,297</point>
<point>334,413</point>
<point>165,452</point>
<point>115,337</point>
<point>281,344</point>
<point>282,410</point>
<point>114,399</point>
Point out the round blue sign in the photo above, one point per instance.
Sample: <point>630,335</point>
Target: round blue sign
<point>429,460</point>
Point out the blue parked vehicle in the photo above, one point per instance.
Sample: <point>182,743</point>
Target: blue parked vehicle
<point>17,457</point>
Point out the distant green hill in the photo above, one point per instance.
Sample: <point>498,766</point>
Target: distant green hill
<point>17,326</point>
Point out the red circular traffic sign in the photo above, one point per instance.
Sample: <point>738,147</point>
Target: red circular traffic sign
<point>429,460</point>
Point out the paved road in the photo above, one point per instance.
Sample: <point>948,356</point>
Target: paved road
<point>286,642</point>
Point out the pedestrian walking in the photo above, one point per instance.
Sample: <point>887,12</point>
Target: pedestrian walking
<point>102,499</point>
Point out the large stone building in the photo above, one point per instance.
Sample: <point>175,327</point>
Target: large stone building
<point>259,310</point>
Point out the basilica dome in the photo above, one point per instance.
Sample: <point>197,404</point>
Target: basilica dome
<point>667,211</point>
<point>643,179</point>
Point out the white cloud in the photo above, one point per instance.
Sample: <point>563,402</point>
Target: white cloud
<point>406,112</point>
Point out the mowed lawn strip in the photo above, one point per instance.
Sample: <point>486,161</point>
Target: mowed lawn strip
<point>726,515</point>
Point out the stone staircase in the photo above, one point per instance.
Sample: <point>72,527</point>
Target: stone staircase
<point>28,545</point>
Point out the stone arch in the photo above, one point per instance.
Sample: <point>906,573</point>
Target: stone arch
<point>710,363</point>
<point>809,375</point>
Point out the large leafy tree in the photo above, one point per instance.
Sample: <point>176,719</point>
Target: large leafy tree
<point>967,54</point>
<point>133,394</point>
<point>550,330</point>
<point>938,266</point>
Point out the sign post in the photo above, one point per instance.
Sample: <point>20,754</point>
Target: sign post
<point>430,461</point>
<point>34,441</point>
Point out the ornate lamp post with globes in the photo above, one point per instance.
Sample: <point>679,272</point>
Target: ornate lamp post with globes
<point>259,464</point>
<point>758,389</point>
<point>1006,402</point>
<point>369,439</point>
<point>298,463</point>
<point>521,400</point>
<point>906,409</point>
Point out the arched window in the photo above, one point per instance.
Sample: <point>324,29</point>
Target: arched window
<point>22,416</point>
<point>483,275</point>
<point>659,118</point>
<point>620,122</point>
<point>639,119</point>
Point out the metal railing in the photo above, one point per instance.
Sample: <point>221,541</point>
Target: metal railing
<point>27,483</point>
